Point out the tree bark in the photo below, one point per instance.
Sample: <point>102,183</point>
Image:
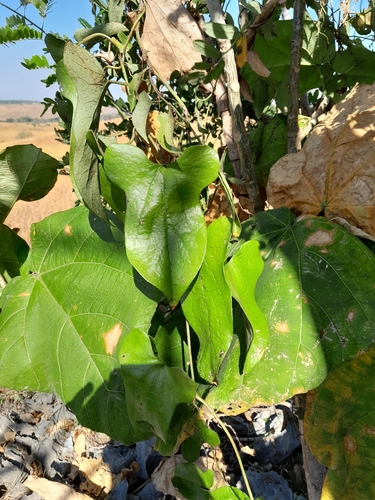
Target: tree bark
<point>242,165</point>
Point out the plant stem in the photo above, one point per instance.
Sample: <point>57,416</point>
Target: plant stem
<point>293,135</point>
<point>188,336</point>
<point>231,440</point>
<point>246,167</point>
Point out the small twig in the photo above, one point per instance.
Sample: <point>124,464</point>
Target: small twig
<point>314,117</point>
<point>25,18</point>
<point>231,440</point>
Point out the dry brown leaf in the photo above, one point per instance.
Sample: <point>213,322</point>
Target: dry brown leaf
<point>334,172</point>
<point>256,64</point>
<point>98,477</point>
<point>168,35</point>
<point>51,490</point>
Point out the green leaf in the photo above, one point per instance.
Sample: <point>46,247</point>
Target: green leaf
<point>41,5</point>
<point>108,29</point>
<point>21,32</point>
<point>242,273</point>
<point>153,390</point>
<point>316,295</point>
<point>116,10</point>
<point>55,47</point>
<point>26,173</point>
<point>83,82</point>
<point>215,72</point>
<point>206,49</point>
<point>171,349</point>
<point>229,493</point>
<point>36,62</point>
<point>140,114</point>
<point>191,447</point>
<point>221,31</point>
<point>340,428</point>
<point>165,230</point>
<point>208,305</point>
<point>193,483</point>
<point>62,318</point>
<point>13,251</point>
<point>269,144</point>
<point>165,133</point>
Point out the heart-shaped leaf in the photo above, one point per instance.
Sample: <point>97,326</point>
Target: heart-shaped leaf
<point>62,318</point>
<point>318,300</point>
<point>340,428</point>
<point>208,305</point>
<point>83,82</point>
<point>26,173</point>
<point>153,390</point>
<point>165,231</point>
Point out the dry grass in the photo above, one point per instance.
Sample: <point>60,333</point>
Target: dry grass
<point>41,135</point>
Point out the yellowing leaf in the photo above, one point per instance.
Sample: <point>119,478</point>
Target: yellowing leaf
<point>340,429</point>
<point>256,64</point>
<point>168,35</point>
<point>333,174</point>
<point>241,51</point>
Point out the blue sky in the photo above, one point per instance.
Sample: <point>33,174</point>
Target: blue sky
<point>22,84</point>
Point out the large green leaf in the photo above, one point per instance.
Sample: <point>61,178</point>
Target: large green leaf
<point>83,82</point>
<point>165,231</point>
<point>316,291</point>
<point>153,390</point>
<point>26,173</point>
<point>242,273</point>
<point>208,305</point>
<point>62,318</point>
<point>340,428</point>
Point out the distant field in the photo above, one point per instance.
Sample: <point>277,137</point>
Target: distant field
<point>42,135</point>
<point>37,131</point>
<point>20,109</point>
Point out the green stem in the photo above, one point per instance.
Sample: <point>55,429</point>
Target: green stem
<point>235,449</point>
<point>188,336</point>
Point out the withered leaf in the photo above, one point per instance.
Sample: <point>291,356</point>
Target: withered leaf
<point>333,175</point>
<point>168,35</point>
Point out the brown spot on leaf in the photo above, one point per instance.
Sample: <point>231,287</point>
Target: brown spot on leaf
<point>24,294</point>
<point>282,327</point>
<point>68,230</point>
<point>323,250</point>
<point>350,444</point>
<point>320,238</point>
<point>369,431</point>
<point>111,338</point>
<point>321,333</point>
<point>350,316</point>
